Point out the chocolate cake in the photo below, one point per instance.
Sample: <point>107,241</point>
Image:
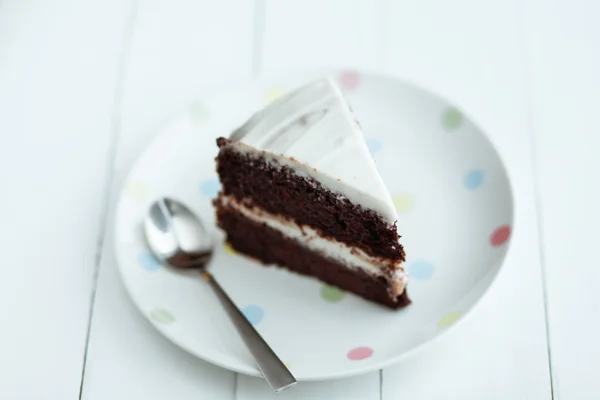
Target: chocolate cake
<point>301,190</point>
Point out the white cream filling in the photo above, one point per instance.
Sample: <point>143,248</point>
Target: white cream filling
<point>351,257</point>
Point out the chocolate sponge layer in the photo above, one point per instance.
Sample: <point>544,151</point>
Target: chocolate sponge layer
<point>279,190</point>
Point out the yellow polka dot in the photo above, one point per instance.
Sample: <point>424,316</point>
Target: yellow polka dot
<point>274,93</point>
<point>137,191</point>
<point>228,248</point>
<point>449,319</point>
<point>286,365</point>
<point>403,202</point>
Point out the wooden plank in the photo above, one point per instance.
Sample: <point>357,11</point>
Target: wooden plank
<point>564,59</point>
<point>58,68</point>
<point>365,387</point>
<point>412,50</point>
<point>471,53</point>
<point>179,50</point>
<point>336,33</point>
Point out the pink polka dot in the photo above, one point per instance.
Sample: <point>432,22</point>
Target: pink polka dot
<point>360,353</point>
<point>348,80</point>
<point>500,235</point>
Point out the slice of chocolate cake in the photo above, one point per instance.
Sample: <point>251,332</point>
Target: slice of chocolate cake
<point>301,190</point>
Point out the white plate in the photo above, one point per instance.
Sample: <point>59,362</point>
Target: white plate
<point>455,214</point>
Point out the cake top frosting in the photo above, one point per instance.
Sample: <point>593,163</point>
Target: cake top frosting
<point>313,130</point>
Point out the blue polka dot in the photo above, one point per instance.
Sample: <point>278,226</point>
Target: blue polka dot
<point>210,187</point>
<point>374,145</point>
<point>253,313</point>
<point>473,179</point>
<point>421,270</point>
<point>148,262</point>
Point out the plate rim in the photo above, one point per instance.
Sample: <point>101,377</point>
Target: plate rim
<point>236,84</point>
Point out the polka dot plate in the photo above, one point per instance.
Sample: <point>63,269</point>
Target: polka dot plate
<point>455,213</point>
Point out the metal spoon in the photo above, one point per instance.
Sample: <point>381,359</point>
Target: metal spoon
<point>176,236</point>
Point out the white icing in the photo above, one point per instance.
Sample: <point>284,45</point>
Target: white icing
<point>313,131</point>
<point>350,257</point>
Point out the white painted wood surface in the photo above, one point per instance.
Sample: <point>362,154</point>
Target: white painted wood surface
<point>563,48</point>
<point>83,87</point>
<point>58,72</point>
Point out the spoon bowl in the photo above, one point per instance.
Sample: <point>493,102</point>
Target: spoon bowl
<point>175,235</point>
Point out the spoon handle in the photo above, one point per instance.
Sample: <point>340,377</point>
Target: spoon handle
<point>274,371</point>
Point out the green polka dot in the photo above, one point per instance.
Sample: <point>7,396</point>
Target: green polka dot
<point>403,202</point>
<point>162,316</point>
<point>332,293</point>
<point>452,118</point>
<point>449,319</point>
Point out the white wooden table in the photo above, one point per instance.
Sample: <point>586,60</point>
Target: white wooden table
<point>84,84</point>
